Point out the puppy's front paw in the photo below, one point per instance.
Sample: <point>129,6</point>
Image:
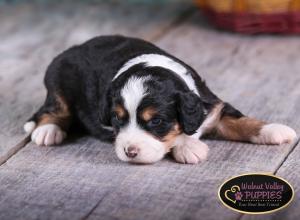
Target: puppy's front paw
<point>189,150</point>
<point>275,134</point>
<point>48,134</point>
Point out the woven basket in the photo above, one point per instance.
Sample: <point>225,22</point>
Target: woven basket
<point>254,16</point>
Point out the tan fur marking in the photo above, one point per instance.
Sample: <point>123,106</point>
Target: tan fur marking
<point>239,129</point>
<point>60,117</point>
<point>171,136</point>
<point>148,113</point>
<point>120,111</point>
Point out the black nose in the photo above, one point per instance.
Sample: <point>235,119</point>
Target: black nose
<point>132,151</point>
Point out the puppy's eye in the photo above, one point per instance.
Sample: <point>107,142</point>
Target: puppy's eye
<point>155,122</point>
<point>116,120</point>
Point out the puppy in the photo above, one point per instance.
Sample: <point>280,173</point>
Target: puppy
<point>147,101</point>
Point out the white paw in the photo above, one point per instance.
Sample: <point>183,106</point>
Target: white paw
<point>48,134</point>
<point>275,134</point>
<point>189,150</point>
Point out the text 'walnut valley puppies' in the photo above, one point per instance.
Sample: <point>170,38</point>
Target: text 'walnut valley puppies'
<point>148,102</point>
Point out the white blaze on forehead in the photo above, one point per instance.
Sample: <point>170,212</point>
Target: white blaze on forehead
<point>133,93</point>
<point>157,60</point>
<point>150,149</point>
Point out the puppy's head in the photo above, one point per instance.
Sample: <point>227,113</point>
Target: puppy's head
<point>148,113</point>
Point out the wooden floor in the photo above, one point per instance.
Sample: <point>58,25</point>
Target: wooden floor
<point>83,179</point>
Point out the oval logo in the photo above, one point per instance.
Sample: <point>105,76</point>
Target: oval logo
<point>256,193</point>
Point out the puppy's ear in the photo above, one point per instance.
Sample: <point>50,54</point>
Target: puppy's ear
<point>190,112</point>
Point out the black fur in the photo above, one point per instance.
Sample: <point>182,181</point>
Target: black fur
<point>191,111</point>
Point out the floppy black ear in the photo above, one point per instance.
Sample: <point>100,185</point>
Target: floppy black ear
<point>190,112</point>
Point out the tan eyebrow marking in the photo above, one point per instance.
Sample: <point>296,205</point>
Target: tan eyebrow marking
<point>148,113</point>
<point>120,111</point>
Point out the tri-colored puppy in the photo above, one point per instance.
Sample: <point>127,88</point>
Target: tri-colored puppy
<point>150,103</point>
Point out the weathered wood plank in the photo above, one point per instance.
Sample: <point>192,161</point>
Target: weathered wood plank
<point>32,34</point>
<point>58,181</point>
<point>34,191</point>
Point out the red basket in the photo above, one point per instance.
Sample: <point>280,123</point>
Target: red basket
<point>240,18</point>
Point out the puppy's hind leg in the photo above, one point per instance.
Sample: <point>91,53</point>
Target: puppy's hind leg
<point>49,125</point>
<point>235,126</point>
